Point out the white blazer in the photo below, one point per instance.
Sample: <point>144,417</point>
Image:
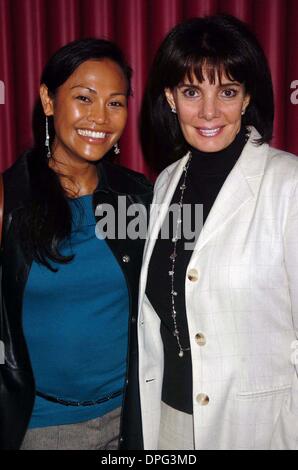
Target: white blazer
<point>244,300</point>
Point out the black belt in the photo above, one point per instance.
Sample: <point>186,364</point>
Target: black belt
<point>79,403</point>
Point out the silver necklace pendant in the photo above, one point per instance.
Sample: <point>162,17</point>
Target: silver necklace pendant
<point>181,353</point>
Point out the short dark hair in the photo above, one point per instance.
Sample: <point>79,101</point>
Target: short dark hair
<point>227,46</point>
<point>68,58</point>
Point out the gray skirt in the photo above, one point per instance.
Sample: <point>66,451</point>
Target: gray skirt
<point>96,434</point>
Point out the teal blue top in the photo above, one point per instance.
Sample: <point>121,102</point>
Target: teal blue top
<point>76,326</point>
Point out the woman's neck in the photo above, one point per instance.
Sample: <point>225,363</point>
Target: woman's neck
<point>76,180</point>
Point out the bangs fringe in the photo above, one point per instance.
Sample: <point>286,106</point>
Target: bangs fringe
<point>211,68</point>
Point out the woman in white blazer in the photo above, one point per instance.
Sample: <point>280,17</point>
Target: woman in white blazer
<point>218,316</point>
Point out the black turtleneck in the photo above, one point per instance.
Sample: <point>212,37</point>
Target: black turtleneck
<point>206,175</point>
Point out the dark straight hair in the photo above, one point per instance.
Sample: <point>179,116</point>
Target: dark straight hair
<point>46,219</point>
<point>220,45</point>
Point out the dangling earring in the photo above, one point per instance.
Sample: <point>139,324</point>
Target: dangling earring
<point>116,149</point>
<point>173,109</point>
<point>47,141</point>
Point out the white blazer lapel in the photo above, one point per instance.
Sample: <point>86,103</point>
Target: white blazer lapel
<point>240,186</point>
<point>163,193</point>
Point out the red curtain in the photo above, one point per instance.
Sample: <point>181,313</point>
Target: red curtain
<point>31,30</point>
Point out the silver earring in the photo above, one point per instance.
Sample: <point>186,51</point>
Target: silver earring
<point>173,109</point>
<point>47,141</point>
<point>116,149</point>
<point>242,112</point>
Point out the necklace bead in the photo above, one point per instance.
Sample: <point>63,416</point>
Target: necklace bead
<point>173,258</point>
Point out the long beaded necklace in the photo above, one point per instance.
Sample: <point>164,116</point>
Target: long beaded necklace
<point>173,258</point>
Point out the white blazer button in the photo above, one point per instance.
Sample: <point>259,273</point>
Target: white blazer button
<point>125,259</point>
<point>192,275</point>
<point>202,399</point>
<point>200,339</point>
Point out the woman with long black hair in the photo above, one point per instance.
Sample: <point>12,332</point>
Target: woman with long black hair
<point>69,297</point>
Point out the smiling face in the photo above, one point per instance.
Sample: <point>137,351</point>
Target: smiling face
<point>209,114</point>
<point>89,110</point>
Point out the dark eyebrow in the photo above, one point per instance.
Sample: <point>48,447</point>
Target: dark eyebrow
<point>94,91</point>
<point>82,86</point>
<point>197,86</point>
<point>118,93</point>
